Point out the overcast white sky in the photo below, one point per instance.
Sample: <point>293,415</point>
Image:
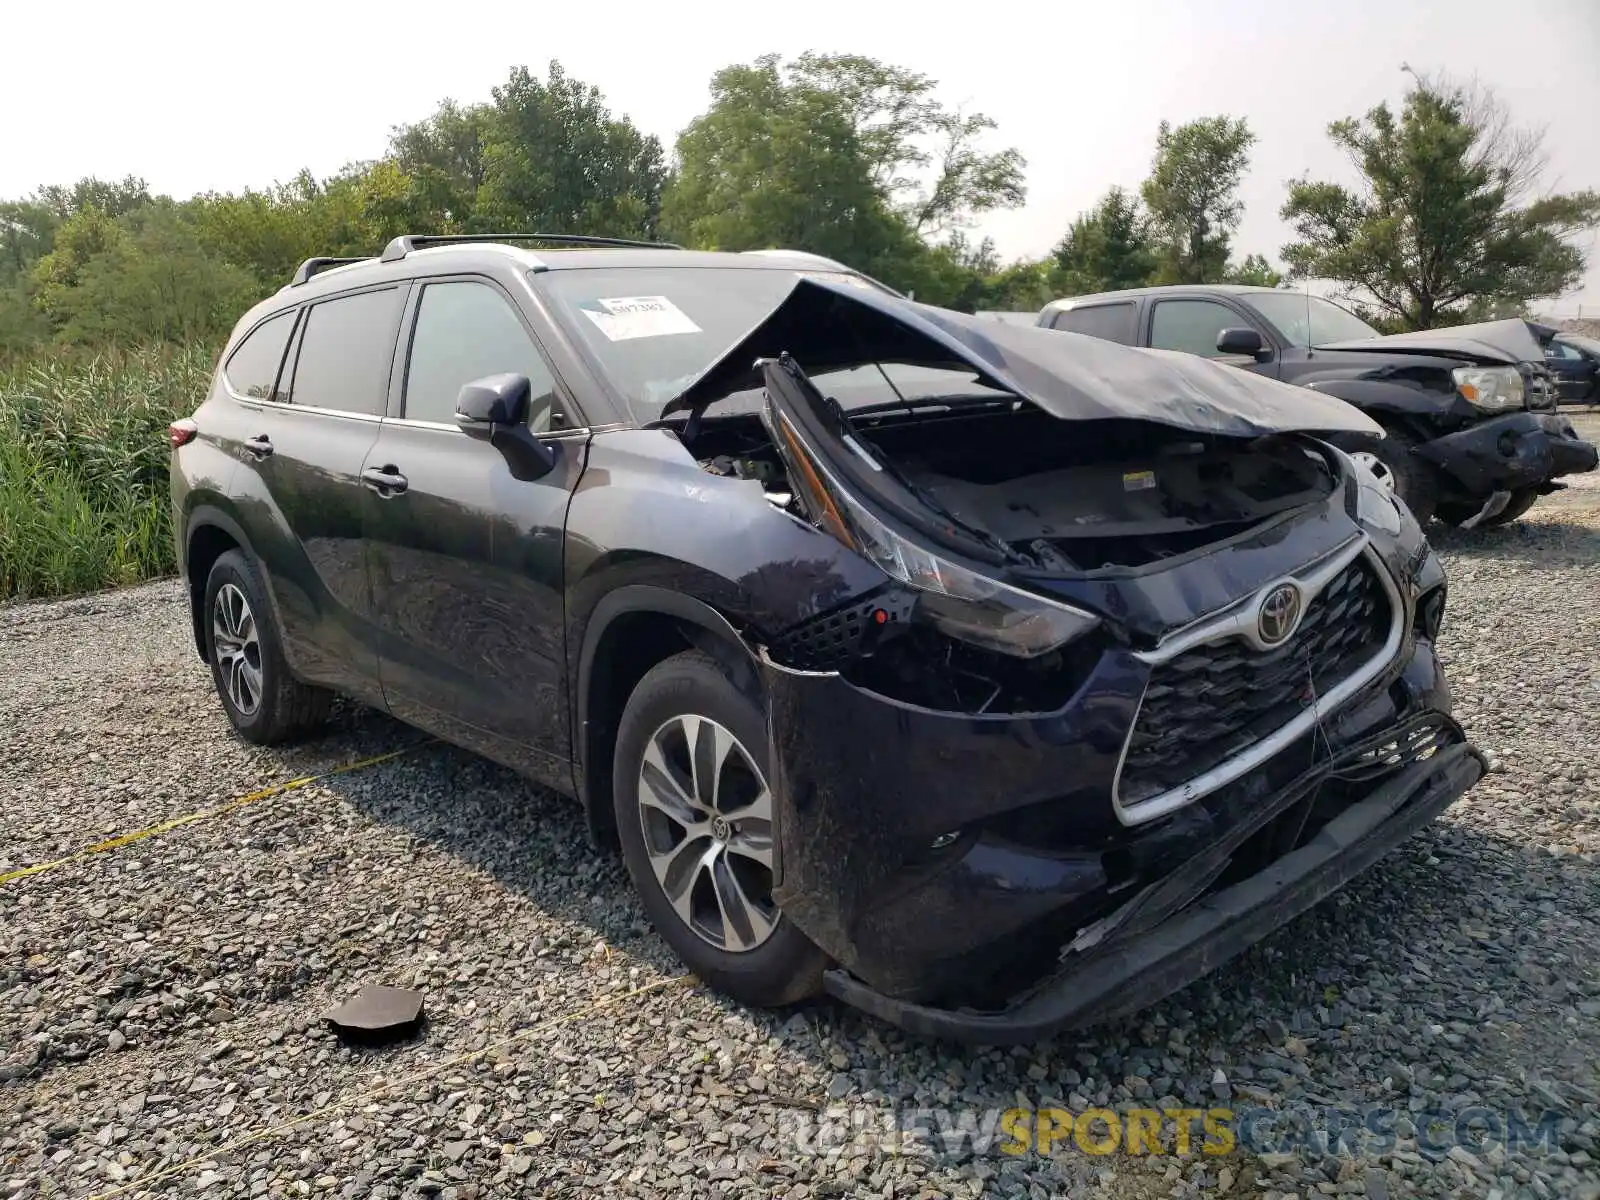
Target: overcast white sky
<point>197,96</point>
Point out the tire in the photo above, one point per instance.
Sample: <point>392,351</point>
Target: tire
<point>1392,459</point>
<point>758,957</point>
<point>263,701</point>
<point>1521,501</point>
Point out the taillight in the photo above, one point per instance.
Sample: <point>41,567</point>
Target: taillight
<point>181,433</point>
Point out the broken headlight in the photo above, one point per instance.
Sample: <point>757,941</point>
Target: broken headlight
<point>1377,507</point>
<point>957,601</point>
<point>1492,389</point>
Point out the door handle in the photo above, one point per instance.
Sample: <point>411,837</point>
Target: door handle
<point>260,445</point>
<point>386,481</point>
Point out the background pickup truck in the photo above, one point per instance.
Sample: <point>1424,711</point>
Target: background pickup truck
<point>1469,412</point>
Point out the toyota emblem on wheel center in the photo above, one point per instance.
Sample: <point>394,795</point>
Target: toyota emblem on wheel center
<point>1280,609</point>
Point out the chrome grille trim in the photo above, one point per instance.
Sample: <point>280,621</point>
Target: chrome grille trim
<point>1238,620</point>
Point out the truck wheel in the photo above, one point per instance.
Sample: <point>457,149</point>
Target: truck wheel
<point>264,702</point>
<point>1393,461</point>
<point>694,814</point>
<point>1521,501</point>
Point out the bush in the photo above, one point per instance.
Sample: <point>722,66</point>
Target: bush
<point>83,466</point>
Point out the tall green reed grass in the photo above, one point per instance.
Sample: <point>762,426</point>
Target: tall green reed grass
<point>83,466</point>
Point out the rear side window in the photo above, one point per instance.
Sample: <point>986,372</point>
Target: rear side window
<point>252,368</point>
<point>1110,322</point>
<point>345,353</point>
<point>465,331</point>
<point>1192,326</point>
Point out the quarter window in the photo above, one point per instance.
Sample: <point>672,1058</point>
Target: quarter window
<point>1110,322</point>
<point>1191,325</point>
<point>252,368</point>
<point>466,331</point>
<point>345,353</point>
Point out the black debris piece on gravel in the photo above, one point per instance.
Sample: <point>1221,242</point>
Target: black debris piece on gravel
<point>377,1015</point>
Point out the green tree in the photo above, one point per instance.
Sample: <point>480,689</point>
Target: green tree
<point>1444,223</point>
<point>925,159</point>
<point>774,163</point>
<point>446,155</point>
<point>152,282</point>
<point>22,325</point>
<point>555,160</point>
<point>86,234</point>
<point>1106,248</point>
<point>270,232</point>
<point>1255,271</point>
<point>1192,196</point>
<point>27,234</point>
<point>839,155</point>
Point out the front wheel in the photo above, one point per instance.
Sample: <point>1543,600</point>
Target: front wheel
<point>1392,460</point>
<point>694,813</point>
<point>1521,501</point>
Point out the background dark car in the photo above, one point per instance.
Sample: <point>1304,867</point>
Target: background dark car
<point>1471,433</point>
<point>1574,361</point>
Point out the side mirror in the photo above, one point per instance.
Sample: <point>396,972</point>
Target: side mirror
<point>495,408</point>
<point>493,400</point>
<point>1240,340</point>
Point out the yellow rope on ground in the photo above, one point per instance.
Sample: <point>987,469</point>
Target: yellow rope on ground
<point>127,839</point>
<point>260,1135</point>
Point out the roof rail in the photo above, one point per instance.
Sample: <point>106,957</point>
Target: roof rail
<point>313,266</point>
<point>404,245</point>
<point>781,253</point>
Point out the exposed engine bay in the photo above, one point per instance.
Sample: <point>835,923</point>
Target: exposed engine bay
<point>1060,495</point>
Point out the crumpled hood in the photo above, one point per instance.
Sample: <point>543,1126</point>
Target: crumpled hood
<point>1509,341</point>
<point>825,325</point>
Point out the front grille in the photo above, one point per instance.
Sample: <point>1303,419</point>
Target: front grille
<point>1543,393</point>
<point>1418,743</point>
<point>1217,700</point>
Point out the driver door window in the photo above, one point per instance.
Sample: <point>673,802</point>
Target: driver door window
<point>1192,326</point>
<point>465,331</point>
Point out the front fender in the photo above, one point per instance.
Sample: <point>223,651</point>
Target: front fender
<point>648,531</point>
<point>1415,406</point>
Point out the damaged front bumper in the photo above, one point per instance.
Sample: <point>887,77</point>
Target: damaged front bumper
<point>949,874</point>
<point>1511,453</point>
<point>1157,957</point>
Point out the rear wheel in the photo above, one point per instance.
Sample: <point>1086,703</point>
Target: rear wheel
<point>694,814</point>
<point>1453,513</point>
<point>1393,461</point>
<point>264,702</point>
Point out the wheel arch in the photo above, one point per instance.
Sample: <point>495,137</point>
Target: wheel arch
<point>209,533</point>
<point>1411,410</point>
<point>631,630</point>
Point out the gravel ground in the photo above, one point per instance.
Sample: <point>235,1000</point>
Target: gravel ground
<point>161,1003</point>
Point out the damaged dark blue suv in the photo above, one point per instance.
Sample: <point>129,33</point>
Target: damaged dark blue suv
<point>993,680</point>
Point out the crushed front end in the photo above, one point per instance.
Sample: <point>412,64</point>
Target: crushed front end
<point>1134,690</point>
<point>959,858</point>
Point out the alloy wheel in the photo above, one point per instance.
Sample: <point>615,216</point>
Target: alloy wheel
<point>236,644</point>
<point>706,813</point>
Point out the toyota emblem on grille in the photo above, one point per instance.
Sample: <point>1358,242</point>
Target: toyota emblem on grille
<point>1280,609</point>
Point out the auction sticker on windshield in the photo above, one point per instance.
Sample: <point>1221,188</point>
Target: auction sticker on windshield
<point>622,318</point>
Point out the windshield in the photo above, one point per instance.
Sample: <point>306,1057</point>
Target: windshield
<point>1587,344</point>
<point>1305,320</point>
<point>654,330</point>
